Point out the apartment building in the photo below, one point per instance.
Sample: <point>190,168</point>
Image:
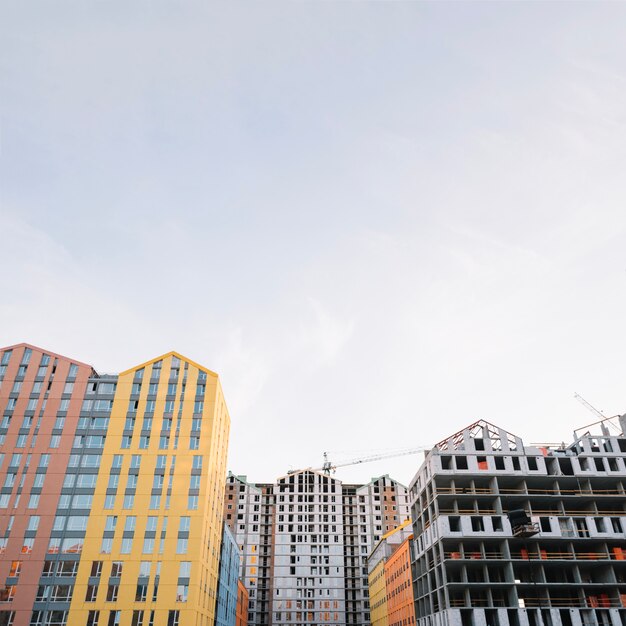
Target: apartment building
<point>305,541</point>
<point>228,582</point>
<point>112,490</point>
<point>390,579</point>
<point>241,617</point>
<point>248,511</point>
<point>508,534</point>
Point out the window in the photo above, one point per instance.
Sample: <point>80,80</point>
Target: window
<point>21,441</point>
<point>82,501</point>
<point>184,569</point>
<point>185,524</point>
<point>141,593</point>
<point>33,523</point>
<point>181,593</point>
<point>181,546</point>
<point>7,594</point>
<point>135,461</point>
<point>151,523</point>
<point>192,503</point>
<point>92,592</point>
<point>114,618</point>
<point>77,522</point>
<point>59,423</point>
<point>129,526</point>
<point>148,545</point>
<point>39,480</point>
<point>194,482</point>
<point>109,502</point>
<point>92,618</point>
<point>112,592</point>
<point>197,462</point>
<point>86,481</point>
<point>173,618</point>
<point>127,545</point>
<point>111,523</point>
<point>16,568</point>
<point>126,441</point>
<point>116,569</point>
<point>9,481</point>
<point>44,459</point>
<point>27,545</point>
<point>55,440</point>
<point>194,443</point>
<point>137,619</point>
<point>33,501</point>
<point>64,501</point>
<point>155,502</point>
<point>96,569</point>
<point>144,569</point>
<point>107,545</point>
<point>129,502</point>
<point>144,442</point>
<point>117,461</point>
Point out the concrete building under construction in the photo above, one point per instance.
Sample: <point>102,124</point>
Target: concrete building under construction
<point>304,542</point>
<point>507,534</point>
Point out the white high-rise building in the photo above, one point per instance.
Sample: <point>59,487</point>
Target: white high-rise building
<point>305,541</point>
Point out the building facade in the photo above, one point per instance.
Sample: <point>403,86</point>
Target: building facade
<point>113,488</point>
<point>514,535</point>
<point>378,594</point>
<point>227,587</point>
<point>305,541</point>
<point>242,604</point>
<point>390,579</point>
<point>399,584</point>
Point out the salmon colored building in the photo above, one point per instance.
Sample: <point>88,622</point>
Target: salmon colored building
<point>242,605</point>
<point>400,603</point>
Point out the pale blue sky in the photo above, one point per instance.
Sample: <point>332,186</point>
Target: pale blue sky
<point>359,213</point>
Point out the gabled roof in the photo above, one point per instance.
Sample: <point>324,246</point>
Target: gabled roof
<point>478,430</point>
<point>165,356</point>
<point>54,354</point>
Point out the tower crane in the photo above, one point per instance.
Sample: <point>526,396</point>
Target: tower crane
<point>329,467</point>
<point>603,418</point>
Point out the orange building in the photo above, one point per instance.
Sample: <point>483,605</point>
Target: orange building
<point>400,606</point>
<point>242,605</point>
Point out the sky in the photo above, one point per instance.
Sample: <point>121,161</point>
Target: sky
<point>377,221</point>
